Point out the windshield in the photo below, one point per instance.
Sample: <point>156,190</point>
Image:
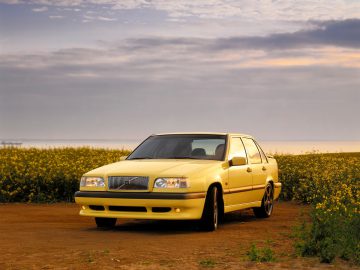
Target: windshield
<point>181,146</point>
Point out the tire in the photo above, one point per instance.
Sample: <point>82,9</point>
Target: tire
<point>267,203</point>
<point>105,222</point>
<point>210,216</point>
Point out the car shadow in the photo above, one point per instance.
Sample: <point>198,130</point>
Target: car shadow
<point>243,216</point>
<point>164,227</point>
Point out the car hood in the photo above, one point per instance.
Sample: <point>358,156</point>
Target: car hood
<point>154,167</point>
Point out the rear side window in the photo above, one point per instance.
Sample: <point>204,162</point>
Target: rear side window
<point>252,151</point>
<point>263,156</point>
<point>236,148</point>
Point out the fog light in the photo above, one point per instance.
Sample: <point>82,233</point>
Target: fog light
<point>83,207</point>
<point>177,210</point>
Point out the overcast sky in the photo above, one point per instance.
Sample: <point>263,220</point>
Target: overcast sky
<point>107,69</point>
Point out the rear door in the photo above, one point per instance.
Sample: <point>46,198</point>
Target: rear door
<point>258,168</point>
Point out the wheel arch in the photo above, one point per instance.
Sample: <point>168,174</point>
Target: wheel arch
<point>270,181</point>
<point>221,197</point>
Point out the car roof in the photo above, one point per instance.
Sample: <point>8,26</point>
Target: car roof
<point>205,133</point>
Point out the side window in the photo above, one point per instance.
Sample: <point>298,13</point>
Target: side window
<point>252,151</point>
<point>236,148</point>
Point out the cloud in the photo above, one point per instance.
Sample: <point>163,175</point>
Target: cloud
<point>55,17</point>
<point>41,9</point>
<point>89,18</point>
<point>344,33</point>
<point>67,101</point>
<point>301,81</point>
<point>329,34</point>
<point>11,2</point>
<point>106,19</point>
<point>332,44</point>
<point>285,10</point>
<point>83,75</point>
<point>333,33</point>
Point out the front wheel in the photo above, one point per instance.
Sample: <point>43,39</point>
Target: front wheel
<point>267,203</point>
<point>105,222</point>
<point>210,217</point>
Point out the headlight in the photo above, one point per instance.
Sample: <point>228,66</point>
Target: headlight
<point>89,181</point>
<point>172,182</point>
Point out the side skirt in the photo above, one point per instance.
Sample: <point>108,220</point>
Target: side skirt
<point>236,207</point>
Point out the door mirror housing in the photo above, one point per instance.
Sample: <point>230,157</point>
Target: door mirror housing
<point>123,158</point>
<point>238,161</point>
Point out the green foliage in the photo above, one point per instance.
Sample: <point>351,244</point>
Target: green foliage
<point>48,175</point>
<point>261,254</point>
<point>209,263</point>
<point>329,236</point>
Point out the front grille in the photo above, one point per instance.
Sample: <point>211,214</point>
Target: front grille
<point>128,182</point>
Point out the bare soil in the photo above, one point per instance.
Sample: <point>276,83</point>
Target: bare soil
<point>54,236</point>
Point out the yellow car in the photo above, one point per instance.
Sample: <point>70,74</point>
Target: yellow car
<point>183,176</point>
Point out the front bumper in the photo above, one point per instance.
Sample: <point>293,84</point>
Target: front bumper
<point>141,205</point>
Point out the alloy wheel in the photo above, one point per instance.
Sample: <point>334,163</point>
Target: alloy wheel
<point>268,199</point>
<point>216,210</point>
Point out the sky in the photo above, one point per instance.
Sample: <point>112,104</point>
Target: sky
<point>107,69</point>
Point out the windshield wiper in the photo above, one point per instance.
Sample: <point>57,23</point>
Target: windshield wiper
<point>183,157</point>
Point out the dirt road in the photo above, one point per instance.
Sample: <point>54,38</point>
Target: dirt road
<point>54,236</point>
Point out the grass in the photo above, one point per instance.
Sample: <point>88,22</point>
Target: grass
<point>261,254</point>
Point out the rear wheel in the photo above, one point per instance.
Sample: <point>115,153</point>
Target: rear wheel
<point>210,217</point>
<point>267,203</point>
<point>105,222</point>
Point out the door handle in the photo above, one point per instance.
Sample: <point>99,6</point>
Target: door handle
<point>249,169</point>
<point>264,168</point>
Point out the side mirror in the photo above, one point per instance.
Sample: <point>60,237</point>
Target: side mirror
<point>123,158</point>
<point>238,161</point>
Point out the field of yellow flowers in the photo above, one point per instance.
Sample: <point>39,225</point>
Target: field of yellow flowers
<point>48,175</point>
<point>329,182</point>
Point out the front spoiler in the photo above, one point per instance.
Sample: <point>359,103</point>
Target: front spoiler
<point>181,205</point>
